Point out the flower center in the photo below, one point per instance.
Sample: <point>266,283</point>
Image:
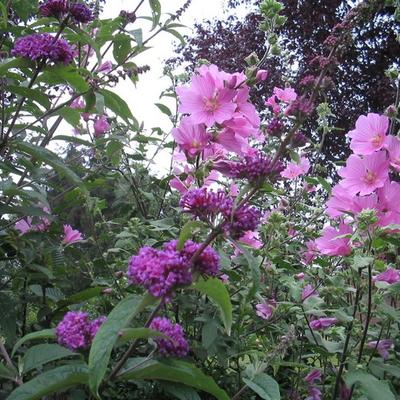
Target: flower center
<point>370,178</point>
<point>377,140</point>
<point>211,104</point>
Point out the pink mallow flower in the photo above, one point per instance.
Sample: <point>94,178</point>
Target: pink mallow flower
<point>206,100</point>
<point>286,95</point>
<point>252,239</point>
<point>271,102</point>
<point>393,146</point>
<point>332,245</point>
<point>322,323</point>
<point>191,138</point>
<point>24,225</point>
<point>389,276</point>
<point>365,175</point>
<point>106,67</point>
<point>311,253</point>
<point>266,309</point>
<point>383,347</point>
<point>294,170</point>
<point>101,125</point>
<point>71,235</point>
<point>370,134</point>
<point>313,376</point>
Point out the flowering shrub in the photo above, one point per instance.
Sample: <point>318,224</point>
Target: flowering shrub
<point>243,273</point>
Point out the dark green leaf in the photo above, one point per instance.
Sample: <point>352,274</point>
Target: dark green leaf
<point>116,104</point>
<point>187,232</point>
<point>15,63</point>
<point>164,109</point>
<point>71,115</point>
<point>122,47</point>
<point>177,35</point>
<point>44,334</point>
<point>138,333</point>
<point>181,392</point>
<point>31,94</point>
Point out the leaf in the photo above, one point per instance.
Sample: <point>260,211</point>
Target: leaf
<point>177,35</point>
<point>41,354</point>
<point>164,109</point>
<point>32,94</point>
<point>173,371</point>
<point>81,296</point>
<point>24,8</point>
<point>361,262</point>
<point>71,115</point>
<point>373,388</point>
<point>187,232</point>
<point>48,157</point>
<point>218,292</point>
<point>64,74</point>
<point>52,381</point>
<point>122,47</point>
<point>108,334</point>
<point>6,372</point>
<point>139,333</point>
<point>116,104</point>
<point>73,139</point>
<point>155,11</point>
<point>43,334</point>
<point>138,35</point>
<point>181,392</point>
<point>265,386</point>
<point>15,63</point>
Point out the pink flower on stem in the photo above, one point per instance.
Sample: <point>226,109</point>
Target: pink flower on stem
<point>266,309</point>
<point>271,102</point>
<point>262,75</point>
<point>370,134</point>
<point>245,108</point>
<point>309,291</point>
<point>365,175</point>
<point>106,67</point>
<point>251,239</point>
<point>383,347</point>
<point>101,125</point>
<point>286,95</point>
<point>224,278</point>
<point>71,235</point>
<point>311,253</point>
<point>233,141</point>
<point>300,276</point>
<point>332,245</point>
<point>393,146</point>
<point>24,225</point>
<point>313,376</point>
<point>389,276</point>
<point>206,100</point>
<point>191,138</point>
<point>294,170</point>
<point>322,323</point>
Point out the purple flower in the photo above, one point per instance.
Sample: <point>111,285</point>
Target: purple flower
<point>382,346</point>
<point>177,346</point>
<point>314,393</point>
<point>71,235</point>
<point>256,168</point>
<point>275,127</point>
<point>389,276</point>
<point>81,13</point>
<point>313,376</point>
<point>308,291</point>
<point>240,220</point>
<point>266,309</point>
<point>43,46</point>
<point>106,67</point>
<point>76,331</point>
<point>322,323</point>
<point>53,8</point>
<point>100,125</point>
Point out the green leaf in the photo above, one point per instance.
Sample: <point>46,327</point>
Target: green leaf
<point>73,139</point>
<point>173,371</point>
<point>41,354</point>
<point>81,296</point>
<point>6,372</point>
<point>164,109</point>
<point>139,333</point>
<point>52,381</point>
<point>138,35</point>
<point>181,392</point>
<point>373,388</point>
<point>217,291</point>
<point>116,104</point>
<point>64,74</point>
<point>24,8</point>
<point>71,115</point>
<point>155,11</point>
<point>43,334</point>
<point>360,262</point>
<point>265,386</point>
<point>122,47</point>
<point>31,94</point>
<point>177,35</point>
<point>188,230</point>
<point>108,334</point>
<point>15,63</point>
<point>48,157</point>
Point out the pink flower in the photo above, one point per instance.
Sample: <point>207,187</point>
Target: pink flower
<point>329,243</point>
<point>251,239</point>
<point>24,225</point>
<point>266,309</point>
<point>262,75</point>
<point>106,67</point>
<point>286,95</point>
<point>393,146</point>
<point>389,276</point>
<point>245,108</point>
<point>313,376</point>
<point>322,323</point>
<point>370,134</point>
<point>206,100</point>
<point>294,170</point>
<point>340,201</point>
<point>191,138</point>
<point>224,278</point>
<point>382,346</point>
<point>71,235</point>
<point>271,102</point>
<point>232,141</point>
<point>300,276</point>
<point>233,190</point>
<point>101,125</point>
<point>308,291</point>
<point>311,253</point>
<point>365,175</point>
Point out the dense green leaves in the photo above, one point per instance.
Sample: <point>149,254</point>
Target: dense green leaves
<point>174,371</point>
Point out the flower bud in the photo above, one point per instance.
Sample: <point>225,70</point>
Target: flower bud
<point>261,75</point>
<point>391,111</point>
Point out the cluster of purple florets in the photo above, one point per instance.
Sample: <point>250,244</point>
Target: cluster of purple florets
<point>43,46</point>
<point>256,167</point>
<point>76,331</point>
<point>275,127</point>
<point>161,271</point>
<point>177,346</point>
<point>206,205</point>
<point>59,8</point>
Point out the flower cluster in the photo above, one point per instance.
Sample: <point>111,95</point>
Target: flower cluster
<point>26,225</point>
<point>43,46</point>
<point>177,346</point>
<point>76,331</point>
<point>60,8</point>
<point>161,271</point>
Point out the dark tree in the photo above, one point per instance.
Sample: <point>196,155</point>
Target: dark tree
<point>358,82</point>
